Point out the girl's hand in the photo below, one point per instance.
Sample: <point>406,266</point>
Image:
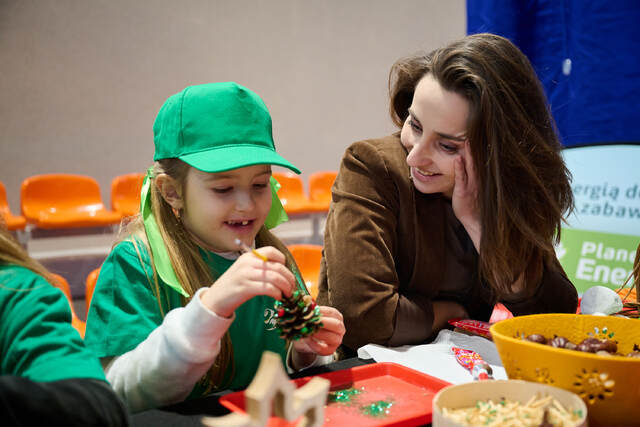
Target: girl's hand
<point>325,341</point>
<point>464,199</point>
<point>247,277</point>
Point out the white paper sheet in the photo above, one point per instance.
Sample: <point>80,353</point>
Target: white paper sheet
<point>437,359</point>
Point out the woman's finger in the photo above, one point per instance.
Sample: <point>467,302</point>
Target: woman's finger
<point>460,174</point>
<point>470,167</point>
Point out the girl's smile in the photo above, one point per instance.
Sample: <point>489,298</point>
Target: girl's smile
<point>240,226</point>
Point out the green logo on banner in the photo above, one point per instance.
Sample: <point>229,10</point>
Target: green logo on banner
<point>594,258</point>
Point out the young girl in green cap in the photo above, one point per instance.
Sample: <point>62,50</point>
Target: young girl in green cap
<point>178,311</point>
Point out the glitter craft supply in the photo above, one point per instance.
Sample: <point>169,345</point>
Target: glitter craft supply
<point>377,409</point>
<point>343,396</point>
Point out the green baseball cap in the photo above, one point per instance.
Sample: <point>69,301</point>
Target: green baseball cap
<point>216,127</point>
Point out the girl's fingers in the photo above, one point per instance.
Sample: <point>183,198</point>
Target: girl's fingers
<point>277,274</point>
<point>274,279</point>
<point>330,312</point>
<point>272,254</point>
<point>327,337</point>
<point>280,270</point>
<point>266,288</point>
<point>320,347</point>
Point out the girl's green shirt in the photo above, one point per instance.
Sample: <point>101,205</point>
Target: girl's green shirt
<point>37,340</point>
<point>125,309</point>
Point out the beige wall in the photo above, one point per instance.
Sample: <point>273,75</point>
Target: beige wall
<point>82,80</point>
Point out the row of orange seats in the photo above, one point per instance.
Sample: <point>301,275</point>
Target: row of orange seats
<point>69,201</point>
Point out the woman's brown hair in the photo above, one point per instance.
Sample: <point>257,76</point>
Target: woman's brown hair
<point>523,184</point>
<point>191,269</point>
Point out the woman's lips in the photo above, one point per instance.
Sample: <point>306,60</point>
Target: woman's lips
<point>423,176</point>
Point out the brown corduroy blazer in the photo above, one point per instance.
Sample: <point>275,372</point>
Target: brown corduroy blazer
<point>389,251</point>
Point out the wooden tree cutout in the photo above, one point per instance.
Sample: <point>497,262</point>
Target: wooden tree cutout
<point>271,388</point>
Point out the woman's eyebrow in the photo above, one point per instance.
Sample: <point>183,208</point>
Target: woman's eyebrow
<point>460,138</point>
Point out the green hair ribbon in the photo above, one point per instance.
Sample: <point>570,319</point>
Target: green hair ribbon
<point>161,259</point>
<point>276,215</point>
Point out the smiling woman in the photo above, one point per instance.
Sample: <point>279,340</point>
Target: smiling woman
<point>457,211</point>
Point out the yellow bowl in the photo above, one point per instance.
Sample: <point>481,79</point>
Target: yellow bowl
<point>609,385</point>
<point>466,395</point>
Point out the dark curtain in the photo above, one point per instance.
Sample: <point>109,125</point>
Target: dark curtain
<point>587,55</point>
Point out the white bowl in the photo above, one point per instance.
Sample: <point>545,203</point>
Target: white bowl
<point>466,395</point>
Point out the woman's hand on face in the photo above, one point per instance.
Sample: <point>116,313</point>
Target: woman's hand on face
<point>247,277</point>
<point>327,339</point>
<point>464,199</point>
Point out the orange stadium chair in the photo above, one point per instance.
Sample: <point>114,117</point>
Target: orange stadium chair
<point>13,222</point>
<point>90,285</point>
<point>62,284</point>
<point>65,201</point>
<point>320,187</point>
<point>125,193</point>
<point>297,204</point>
<point>308,258</point>
<point>291,194</point>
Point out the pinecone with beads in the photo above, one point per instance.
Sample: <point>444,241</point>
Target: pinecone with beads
<point>297,316</point>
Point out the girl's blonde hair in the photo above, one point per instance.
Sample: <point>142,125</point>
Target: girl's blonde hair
<point>12,253</point>
<point>191,270</point>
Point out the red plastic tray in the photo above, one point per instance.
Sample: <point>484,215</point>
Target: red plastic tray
<point>410,391</point>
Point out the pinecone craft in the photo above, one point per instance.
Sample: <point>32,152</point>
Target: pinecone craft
<point>297,316</point>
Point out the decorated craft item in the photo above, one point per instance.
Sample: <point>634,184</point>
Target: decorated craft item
<point>476,327</point>
<point>472,361</point>
<point>607,383</point>
<point>297,316</point>
<point>272,390</point>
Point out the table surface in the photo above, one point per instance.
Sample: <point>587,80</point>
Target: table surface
<point>189,412</point>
